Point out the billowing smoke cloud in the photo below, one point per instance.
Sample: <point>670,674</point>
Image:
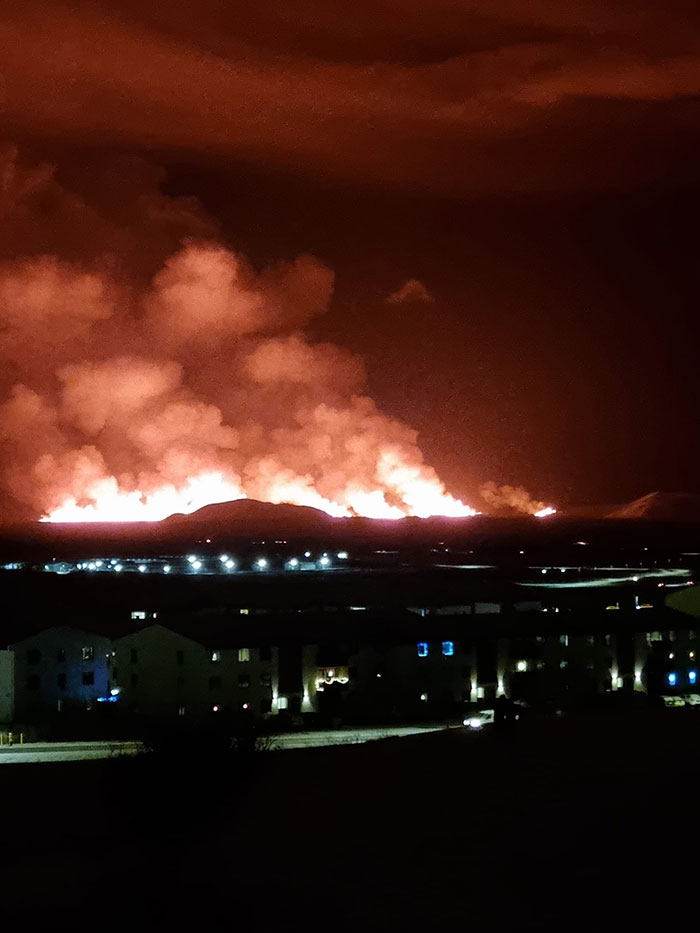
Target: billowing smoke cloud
<point>511,498</point>
<point>139,390</point>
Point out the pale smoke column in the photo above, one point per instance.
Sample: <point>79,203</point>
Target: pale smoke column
<point>514,497</point>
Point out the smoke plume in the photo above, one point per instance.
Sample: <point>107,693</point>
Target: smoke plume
<point>158,371</point>
<point>512,498</point>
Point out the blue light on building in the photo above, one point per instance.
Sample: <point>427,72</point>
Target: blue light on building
<point>448,648</point>
<point>693,676</point>
<point>671,678</point>
<point>422,649</point>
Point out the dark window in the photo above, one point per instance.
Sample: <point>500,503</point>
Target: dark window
<point>115,674</point>
<point>88,678</point>
<point>265,680</point>
<point>214,682</point>
<point>244,680</point>
<point>88,653</point>
<point>33,682</point>
<point>180,657</point>
<point>265,706</point>
<point>61,681</point>
<point>134,680</point>
<point>180,683</point>
<point>60,655</point>
<point>33,656</point>
<point>266,653</point>
<point>133,655</point>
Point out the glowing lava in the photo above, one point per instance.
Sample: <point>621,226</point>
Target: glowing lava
<point>544,513</point>
<point>408,490</point>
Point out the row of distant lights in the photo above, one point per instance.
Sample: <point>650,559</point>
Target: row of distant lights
<point>196,564</point>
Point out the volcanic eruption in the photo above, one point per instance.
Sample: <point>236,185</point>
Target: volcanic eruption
<point>142,388</point>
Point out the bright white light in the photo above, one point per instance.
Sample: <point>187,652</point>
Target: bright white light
<point>230,564</point>
<point>191,558</point>
<point>142,568</point>
<point>522,666</point>
<point>544,513</point>
<point>118,568</point>
<point>424,697</point>
<point>91,566</point>
<point>325,561</point>
<point>342,555</point>
<point>224,558</point>
<point>215,709</point>
<point>98,563</point>
<point>197,565</point>
<point>166,569</point>
<point>115,691</point>
<point>245,706</point>
<point>113,562</point>
<point>473,723</point>
<point>307,553</point>
<point>261,563</point>
<point>294,562</point>
<point>544,570</point>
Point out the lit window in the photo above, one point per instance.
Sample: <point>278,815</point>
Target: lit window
<point>448,648</point>
<point>282,702</point>
<point>138,614</point>
<point>243,655</point>
<point>424,697</point>
<point>88,653</point>
<point>563,665</point>
<point>422,649</point>
<point>564,640</point>
<point>181,711</point>
<point>216,655</point>
<point>671,678</point>
<point>521,666</point>
<point>693,676</point>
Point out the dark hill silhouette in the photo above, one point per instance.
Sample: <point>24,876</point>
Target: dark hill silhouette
<point>256,514</point>
<point>662,507</point>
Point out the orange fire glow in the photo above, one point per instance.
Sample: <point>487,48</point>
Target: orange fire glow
<point>411,494</point>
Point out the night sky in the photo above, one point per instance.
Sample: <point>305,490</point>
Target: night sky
<point>532,166</point>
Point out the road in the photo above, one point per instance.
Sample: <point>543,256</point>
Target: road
<point>346,736</point>
<point>34,752</point>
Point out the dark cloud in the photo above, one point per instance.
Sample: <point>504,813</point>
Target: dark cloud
<point>246,84</point>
